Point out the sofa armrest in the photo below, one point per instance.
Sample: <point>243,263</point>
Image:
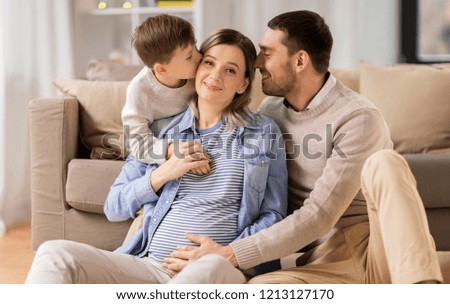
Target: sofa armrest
<point>432,173</point>
<point>53,143</point>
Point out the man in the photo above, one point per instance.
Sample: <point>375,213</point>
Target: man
<point>336,143</point>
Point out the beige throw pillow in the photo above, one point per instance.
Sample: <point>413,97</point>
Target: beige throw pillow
<point>350,78</point>
<point>101,104</point>
<point>111,70</point>
<point>415,101</point>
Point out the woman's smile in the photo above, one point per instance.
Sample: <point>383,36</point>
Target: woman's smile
<point>212,87</point>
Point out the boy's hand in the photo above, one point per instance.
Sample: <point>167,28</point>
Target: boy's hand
<point>169,151</point>
<point>184,158</point>
<point>203,170</point>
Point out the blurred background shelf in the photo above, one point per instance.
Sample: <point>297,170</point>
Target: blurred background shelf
<point>105,34</point>
<point>143,10</point>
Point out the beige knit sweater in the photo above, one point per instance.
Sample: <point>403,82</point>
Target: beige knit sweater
<point>326,147</point>
<point>149,100</point>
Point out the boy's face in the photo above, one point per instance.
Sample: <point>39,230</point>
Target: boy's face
<point>184,62</point>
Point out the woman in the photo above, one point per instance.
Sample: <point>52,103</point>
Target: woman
<point>244,192</point>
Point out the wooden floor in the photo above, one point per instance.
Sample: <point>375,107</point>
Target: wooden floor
<point>15,255</point>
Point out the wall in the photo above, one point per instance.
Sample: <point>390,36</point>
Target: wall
<point>362,30</point>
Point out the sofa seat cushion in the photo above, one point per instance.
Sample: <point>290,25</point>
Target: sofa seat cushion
<point>88,183</point>
<point>432,173</point>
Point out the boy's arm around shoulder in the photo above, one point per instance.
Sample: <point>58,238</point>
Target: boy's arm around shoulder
<point>137,117</point>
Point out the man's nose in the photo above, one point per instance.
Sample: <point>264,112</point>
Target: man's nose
<point>259,61</point>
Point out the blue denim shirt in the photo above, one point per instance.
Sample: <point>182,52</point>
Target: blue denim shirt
<point>264,200</point>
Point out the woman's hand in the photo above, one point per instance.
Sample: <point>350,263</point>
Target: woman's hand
<point>202,170</point>
<point>188,156</point>
<point>187,254</point>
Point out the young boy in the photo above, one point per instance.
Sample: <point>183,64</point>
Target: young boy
<point>163,88</point>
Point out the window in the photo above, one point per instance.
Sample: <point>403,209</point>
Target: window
<point>425,26</point>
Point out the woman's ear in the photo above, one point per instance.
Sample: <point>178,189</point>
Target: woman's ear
<point>244,86</point>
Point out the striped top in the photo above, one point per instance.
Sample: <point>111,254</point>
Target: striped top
<point>205,204</point>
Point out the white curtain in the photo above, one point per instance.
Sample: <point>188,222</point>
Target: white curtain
<point>35,47</point>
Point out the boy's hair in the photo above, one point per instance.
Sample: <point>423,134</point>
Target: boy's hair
<point>238,110</point>
<point>157,38</point>
<point>306,30</point>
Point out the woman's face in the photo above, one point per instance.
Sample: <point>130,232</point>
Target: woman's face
<point>221,74</point>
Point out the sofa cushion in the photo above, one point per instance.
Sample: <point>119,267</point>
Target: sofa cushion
<point>101,104</point>
<point>415,101</point>
<point>432,173</point>
<point>88,183</point>
<point>350,78</point>
<point>111,71</point>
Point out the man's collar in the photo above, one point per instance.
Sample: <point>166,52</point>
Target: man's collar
<point>330,82</point>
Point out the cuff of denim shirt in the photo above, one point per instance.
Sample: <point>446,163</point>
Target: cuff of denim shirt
<point>246,252</point>
<point>143,190</point>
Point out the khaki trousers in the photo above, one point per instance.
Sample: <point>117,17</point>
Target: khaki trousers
<point>396,247</point>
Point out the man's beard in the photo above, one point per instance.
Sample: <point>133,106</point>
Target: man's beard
<point>284,84</point>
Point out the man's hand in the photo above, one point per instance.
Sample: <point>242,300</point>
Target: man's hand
<point>187,254</point>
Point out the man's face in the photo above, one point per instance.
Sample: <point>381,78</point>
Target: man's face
<point>276,65</point>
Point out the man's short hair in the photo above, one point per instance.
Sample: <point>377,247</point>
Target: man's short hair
<point>306,30</point>
<point>156,38</point>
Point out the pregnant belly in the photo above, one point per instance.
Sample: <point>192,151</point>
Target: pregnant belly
<point>170,233</point>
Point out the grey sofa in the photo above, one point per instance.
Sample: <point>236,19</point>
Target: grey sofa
<point>68,189</point>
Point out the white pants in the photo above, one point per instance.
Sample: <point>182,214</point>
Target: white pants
<point>63,261</point>
<point>68,262</point>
